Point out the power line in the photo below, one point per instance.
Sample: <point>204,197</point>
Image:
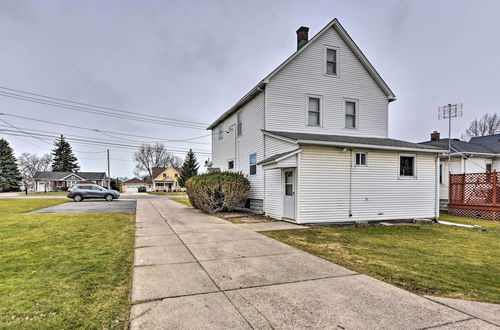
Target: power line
<point>86,140</point>
<point>100,112</point>
<point>101,107</point>
<point>109,132</point>
<point>57,134</point>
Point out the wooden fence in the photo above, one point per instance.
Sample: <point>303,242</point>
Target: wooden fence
<point>475,195</point>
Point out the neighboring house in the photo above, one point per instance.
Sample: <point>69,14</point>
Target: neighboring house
<point>134,184</point>
<point>480,154</point>
<point>57,181</point>
<point>312,137</point>
<point>166,179</point>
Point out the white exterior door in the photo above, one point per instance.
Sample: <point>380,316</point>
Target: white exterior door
<point>289,193</point>
<point>41,186</point>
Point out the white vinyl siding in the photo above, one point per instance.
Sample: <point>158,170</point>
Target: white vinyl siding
<point>377,192</point>
<point>274,195</point>
<point>277,146</point>
<point>304,75</point>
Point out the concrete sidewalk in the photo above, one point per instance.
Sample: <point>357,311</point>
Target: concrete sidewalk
<point>195,271</point>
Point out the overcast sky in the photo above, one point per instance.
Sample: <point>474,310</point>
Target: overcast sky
<point>191,60</point>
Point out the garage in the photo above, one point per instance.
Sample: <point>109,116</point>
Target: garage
<point>133,185</point>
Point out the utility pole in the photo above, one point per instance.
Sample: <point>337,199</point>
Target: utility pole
<point>448,112</point>
<point>109,179</point>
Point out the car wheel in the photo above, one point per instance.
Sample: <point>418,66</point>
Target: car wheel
<point>78,198</point>
<point>108,197</point>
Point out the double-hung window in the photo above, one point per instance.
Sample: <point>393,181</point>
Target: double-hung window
<point>407,166</point>
<point>221,132</point>
<point>253,164</point>
<point>313,111</point>
<point>331,65</point>
<point>239,124</point>
<point>361,159</point>
<point>351,111</point>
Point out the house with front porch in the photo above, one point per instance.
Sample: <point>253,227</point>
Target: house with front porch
<point>312,137</point>
<point>166,179</point>
<point>60,181</point>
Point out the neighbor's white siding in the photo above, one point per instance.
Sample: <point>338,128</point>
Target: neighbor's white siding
<point>286,93</point>
<point>377,191</point>
<point>460,165</point>
<point>240,149</point>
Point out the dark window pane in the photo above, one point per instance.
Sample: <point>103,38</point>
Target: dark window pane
<point>253,169</point>
<point>288,189</point>
<point>331,55</point>
<point>331,67</point>
<point>406,166</point>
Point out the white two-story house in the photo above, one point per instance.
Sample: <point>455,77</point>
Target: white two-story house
<point>312,137</point>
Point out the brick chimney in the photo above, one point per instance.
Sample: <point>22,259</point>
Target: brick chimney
<point>302,36</point>
<point>435,136</point>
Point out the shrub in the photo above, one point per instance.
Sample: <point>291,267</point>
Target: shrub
<point>217,192</point>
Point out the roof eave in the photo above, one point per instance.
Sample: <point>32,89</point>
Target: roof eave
<point>367,146</point>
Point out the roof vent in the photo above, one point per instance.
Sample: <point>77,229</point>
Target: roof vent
<point>302,36</point>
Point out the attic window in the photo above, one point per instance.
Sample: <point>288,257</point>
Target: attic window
<point>221,132</point>
<point>331,61</point>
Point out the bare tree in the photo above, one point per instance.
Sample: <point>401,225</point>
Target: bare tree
<point>488,124</point>
<point>29,164</point>
<point>149,156</point>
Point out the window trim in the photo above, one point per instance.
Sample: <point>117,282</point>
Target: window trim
<point>250,164</point>
<point>325,51</point>
<point>356,114</point>
<point>407,177</point>
<point>320,98</point>
<point>356,160</point>
<point>239,123</point>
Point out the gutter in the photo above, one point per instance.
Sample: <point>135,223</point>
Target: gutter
<point>367,146</point>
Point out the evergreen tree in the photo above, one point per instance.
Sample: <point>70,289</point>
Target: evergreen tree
<point>189,168</point>
<point>64,160</point>
<point>10,177</point>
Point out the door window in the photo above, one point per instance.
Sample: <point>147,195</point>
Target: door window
<point>289,183</point>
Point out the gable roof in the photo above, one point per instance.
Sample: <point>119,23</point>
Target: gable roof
<point>61,175</point>
<point>486,139</point>
<point>158,170</point>
<point>458,146</point>
<point>350,43</point>
<point>134,180</point>
<point>354,141</point>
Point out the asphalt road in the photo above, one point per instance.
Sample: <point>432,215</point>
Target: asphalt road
<point>93,206</point>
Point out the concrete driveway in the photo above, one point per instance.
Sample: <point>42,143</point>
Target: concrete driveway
<point>92,206</point>
<point>193,271</point>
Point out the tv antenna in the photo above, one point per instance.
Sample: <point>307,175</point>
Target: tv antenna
<point>448,112</point>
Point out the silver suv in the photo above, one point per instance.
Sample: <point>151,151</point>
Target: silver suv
<point>79,192</point>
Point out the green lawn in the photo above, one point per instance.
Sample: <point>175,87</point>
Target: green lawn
<point>167,193</point>
<point>41,193</point>
<point>64,270</point>
<point>182,200</point>
<point>426,259</point>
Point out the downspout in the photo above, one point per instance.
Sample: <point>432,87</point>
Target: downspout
<point>437,187</point>
<point>350,183</point>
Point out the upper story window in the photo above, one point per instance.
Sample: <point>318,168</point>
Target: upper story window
<point>221,132</point>
<point>331,61</point>
<point>361,159</point>
<point>313,111</point>
<point>407,166</point>
<point>253,164</point>
<point>351,113</point>
<point>239,124</point>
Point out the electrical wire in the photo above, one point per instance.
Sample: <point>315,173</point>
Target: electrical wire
<point>100,107</point>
